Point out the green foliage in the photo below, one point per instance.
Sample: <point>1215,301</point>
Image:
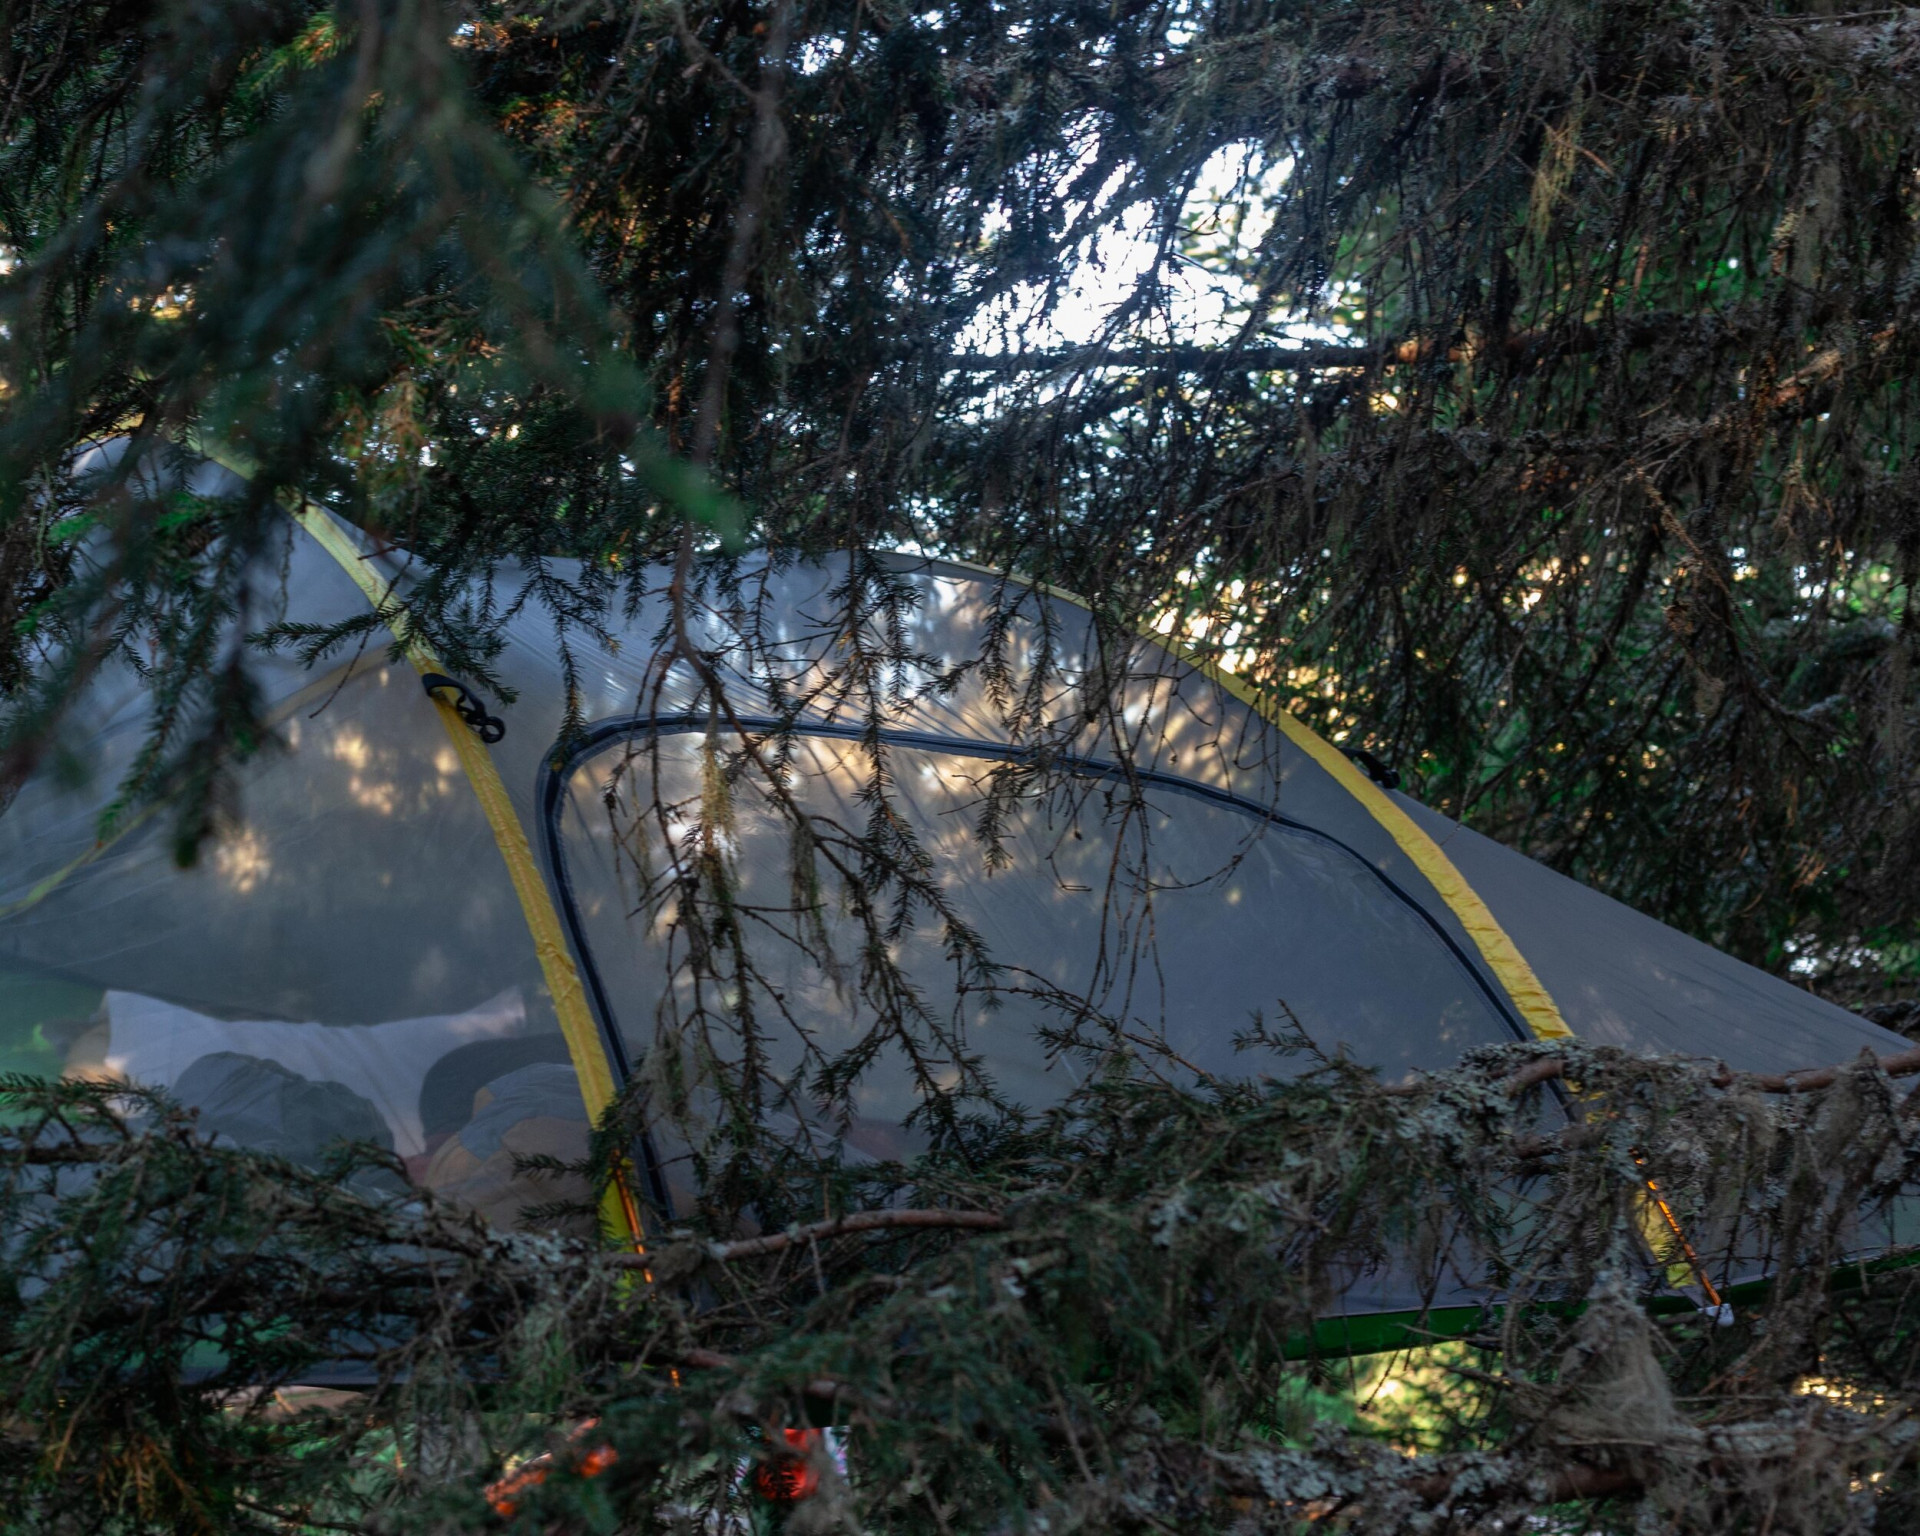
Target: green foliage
<point>1557,447</point>
<point>1128,1350</point>
<point>1584,495</point>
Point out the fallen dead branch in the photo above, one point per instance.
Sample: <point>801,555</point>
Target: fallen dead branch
<point>1576,1480</point>
<point>1804,1080</point>
<point>839,1226</point>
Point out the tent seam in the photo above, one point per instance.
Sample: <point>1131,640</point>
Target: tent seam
<point>1510,967</point>
<point>556,964</point>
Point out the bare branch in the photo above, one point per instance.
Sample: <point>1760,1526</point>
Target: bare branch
<point>857,1221</point>
<point>1803,1080</point>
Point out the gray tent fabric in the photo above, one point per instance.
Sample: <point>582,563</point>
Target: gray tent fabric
<point>1621,978</point>
<point>1227,917</point>
<point>356,923</point>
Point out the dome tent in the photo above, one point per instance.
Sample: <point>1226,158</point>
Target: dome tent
<point>426,903</point>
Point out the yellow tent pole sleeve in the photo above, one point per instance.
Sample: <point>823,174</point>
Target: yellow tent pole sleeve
<point>619,1212</point>
<point>1536,1006</point>
<point>1658,1224</point>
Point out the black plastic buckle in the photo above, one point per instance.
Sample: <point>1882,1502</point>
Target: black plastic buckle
<point>1379,772</point>
<point>489,728</point>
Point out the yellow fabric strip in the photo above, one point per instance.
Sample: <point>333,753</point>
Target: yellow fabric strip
<point>590,1064</point>
<point>1535,1004</point>
<point>1658,1225</point>
<point>619,1213</point>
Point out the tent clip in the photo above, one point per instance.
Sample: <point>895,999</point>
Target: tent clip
<point>489,728</point>
<point>1374,768</point>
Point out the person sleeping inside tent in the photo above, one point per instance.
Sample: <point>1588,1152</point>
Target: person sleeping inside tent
<point>462,1100</point>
